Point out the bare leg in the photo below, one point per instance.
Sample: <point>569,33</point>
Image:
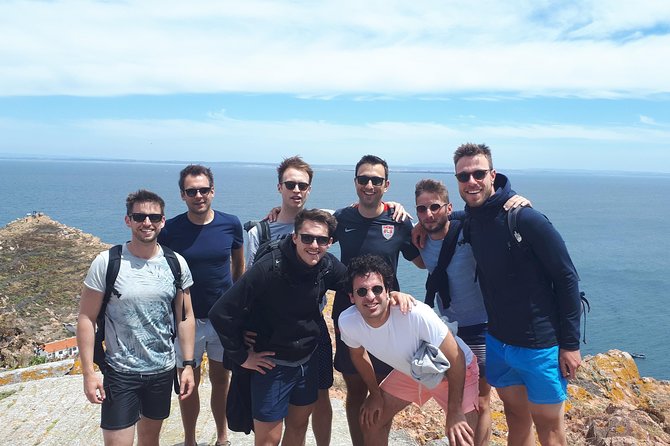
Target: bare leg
<point>296,424</point>
<point>357,391</point>
<point>483,429</point>
<point>517,414</point>
<point>378,433</point>
<point>148,431</point>
<point>190,409</point>
<point>120,437</point>
<point>322,418</point>
<point>219,376</point>
<point>267,433</point>
<point>549,423</point>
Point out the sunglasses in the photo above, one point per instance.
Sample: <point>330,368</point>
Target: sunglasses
<point>478,175</point>
<point>308,239</point>
<point>364,179</point>
<point>290,185</point>
<point>139,217</point>
<point>376,290</point>
<point>421,209</point>
<point>193,192</point>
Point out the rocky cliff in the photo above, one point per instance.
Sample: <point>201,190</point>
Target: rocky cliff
<point>42,265</point>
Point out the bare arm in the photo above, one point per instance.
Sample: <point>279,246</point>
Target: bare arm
<point>569,361</point>
<point>237,263</point>
<point>371,410</point>
<point>186,337</point>
<point>458,430</point>
<point>89,307</point>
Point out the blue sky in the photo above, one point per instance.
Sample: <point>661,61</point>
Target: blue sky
<point>547,84</point>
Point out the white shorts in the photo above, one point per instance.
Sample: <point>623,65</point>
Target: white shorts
<point>206,340</point>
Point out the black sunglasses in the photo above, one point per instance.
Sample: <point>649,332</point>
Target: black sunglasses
<point>138,217</point>
<point>376,290</point>
<point>364,179</point>
<point>290,185</point>
<point>421,209</point>
<point>478,175</point>
<point>308,239</point>
<point>193,192</point>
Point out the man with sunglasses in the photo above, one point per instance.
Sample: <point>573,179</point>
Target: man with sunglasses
<point>532,299</point>
<point>139,327</point>
<point>373,326</point>
<point>367,228</point>
<point>279,299</point>
<point>211,241</point>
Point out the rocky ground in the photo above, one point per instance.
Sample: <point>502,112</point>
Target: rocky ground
<point>42,265</point>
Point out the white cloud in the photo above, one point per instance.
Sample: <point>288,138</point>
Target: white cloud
<point>647,120</point>
<point>369,49</point>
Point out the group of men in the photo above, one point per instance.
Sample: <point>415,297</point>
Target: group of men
<point>510,314</point>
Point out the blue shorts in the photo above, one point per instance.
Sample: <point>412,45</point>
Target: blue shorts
<point>272,393</point>
<point>535,368</point>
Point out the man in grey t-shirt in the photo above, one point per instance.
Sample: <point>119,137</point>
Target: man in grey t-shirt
<point>139,328</point>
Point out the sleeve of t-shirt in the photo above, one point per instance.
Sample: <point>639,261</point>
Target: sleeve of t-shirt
<point>186,276</point>
<point>238,235</point>
<point>97,272</point>
<point>431,328</point>
<point>409,251</point>
<point>252,246</point>
<point>347,322</point>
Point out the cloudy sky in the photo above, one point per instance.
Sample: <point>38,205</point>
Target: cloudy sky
<point>547,84</point>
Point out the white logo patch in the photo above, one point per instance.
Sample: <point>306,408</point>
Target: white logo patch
<point>387,231</point>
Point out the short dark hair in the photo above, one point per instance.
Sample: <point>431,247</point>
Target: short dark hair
<point>433,187</point>
<point>318,216</point>
<point>369,263</point>
<point>143,196</point>
<point>294,162</point>
<point>372,159</point>
<point>471,149</point>
<point>195,170</point>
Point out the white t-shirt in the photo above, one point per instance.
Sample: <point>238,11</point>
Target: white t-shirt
<point>139,324</point>
<point>399,338</point>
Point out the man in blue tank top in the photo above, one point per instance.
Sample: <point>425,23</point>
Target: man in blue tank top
<point>212,244</point>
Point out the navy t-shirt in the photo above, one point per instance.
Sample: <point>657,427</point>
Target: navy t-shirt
<point>207,250</point>
<point>380,235</point>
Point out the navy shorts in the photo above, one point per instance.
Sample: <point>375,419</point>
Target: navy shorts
<point>535,368</point>
<point>475,338</point>
<point>324,353</point>
<point>344,365</point>
<point>127,395</point>
<point>272,393</point>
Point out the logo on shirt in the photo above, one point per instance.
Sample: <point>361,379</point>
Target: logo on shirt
<point>349,229</point>
<point>387,231</point>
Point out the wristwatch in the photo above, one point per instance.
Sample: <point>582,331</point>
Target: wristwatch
<point>190,362</point>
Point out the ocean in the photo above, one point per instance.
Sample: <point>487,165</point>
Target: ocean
<point>615,226</point>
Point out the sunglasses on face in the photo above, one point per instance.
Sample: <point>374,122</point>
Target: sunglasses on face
<point>376,290</point>
<point>138,217</point>
<point>364,179</point>
<point>478,175</point>
<point>421,209</point>
<point>290,185</point>
<point>194,191</point>
<point>308,239</point>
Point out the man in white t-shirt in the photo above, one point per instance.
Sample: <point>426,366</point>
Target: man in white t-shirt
<point>372,325</point>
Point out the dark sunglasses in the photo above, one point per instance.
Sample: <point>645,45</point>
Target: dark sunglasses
<point>376,290</point>
<point>478,175</point>
<point>290,185</point>
<point>364,179</point>
<point>308,239</point>
<point>138,217</point>
<point>193,192</point>
<point>421,209</point>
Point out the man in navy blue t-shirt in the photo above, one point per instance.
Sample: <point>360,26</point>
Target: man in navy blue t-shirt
<point>212,244</point>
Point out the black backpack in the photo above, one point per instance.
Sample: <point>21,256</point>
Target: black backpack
<point>110,280</point>
<point>264,235</point>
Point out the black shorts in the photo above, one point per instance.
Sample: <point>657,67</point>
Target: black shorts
<point>324,353</point>
<point>127,395</point>
<point>344,365</point>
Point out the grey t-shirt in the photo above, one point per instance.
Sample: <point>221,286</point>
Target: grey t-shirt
<point>139,323</point>
<point>467,302</point>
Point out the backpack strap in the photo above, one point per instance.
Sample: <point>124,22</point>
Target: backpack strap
<point>513,228</point>
<point>263,228</point>
<point>438,281</point>
<point>113,266</point>
<point>175,267</point>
